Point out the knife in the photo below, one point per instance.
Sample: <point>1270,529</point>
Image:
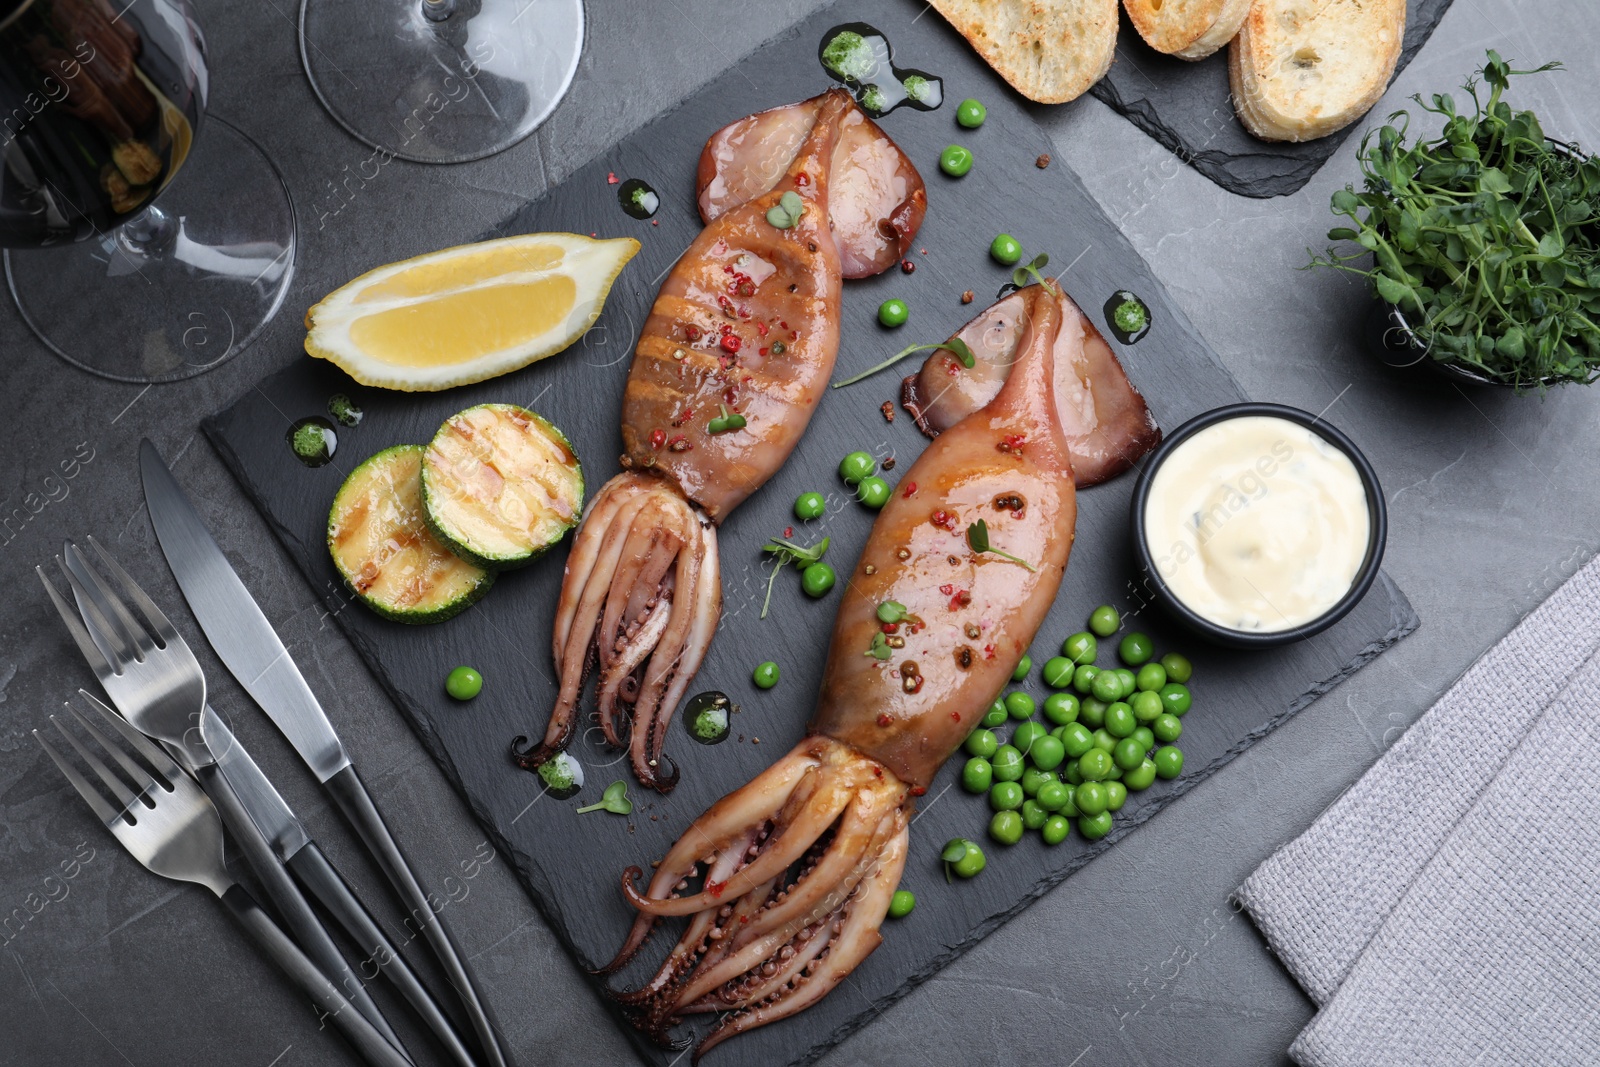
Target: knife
<point>301,855</point>
<point>248,646</point>
<point>200,760</point>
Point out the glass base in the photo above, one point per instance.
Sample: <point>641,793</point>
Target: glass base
<point>179,289</point>
<point>440,81</point>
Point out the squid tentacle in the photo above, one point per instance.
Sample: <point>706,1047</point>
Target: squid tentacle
<point>855,937</point>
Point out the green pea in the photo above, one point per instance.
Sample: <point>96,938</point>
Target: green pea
<point>765,675</point>
<point>1104,741</point>
<point>1175,697</point>
<point>1135,649</point>
<point>1116,796</point>
<point>1027,734</point>
<point>1070,808</point>
<point>1055,829</point>
<point>1006,796</point>
<point>1053,795</point>
<point>1024,665</point>
<point>817,579</point>
<point>1120,721</point>
<point>1095,827</point>
<point>1169,761</point>
<point>1167,728</point>
<point>996,715</point>
<point>1032,779</point>
<point>1129,682</point>
<point>1076,739</point>
<point>1104,621</point>
<point>981,742</point>
<point>965,858</point>
<point>463,683</point>
<point>1061,708</point>
<point>1178,668</point>
<point>1081,647</point>
<point>808,506</point>
<point>873,491</point>
<point>1047,752</point>
<point>1107,687</point>
<point>977,775</point>
<point>1006,827</point>
<point>1090,798</point>
<point>1033,815</point>
<point>1113,775</point>
<point>955,161</point>
<point>893,312</point>
<point>1146,739</point>
<point>1128,754</point>
<point>1141,777</point>
<point>1151,677</point>
<point>970,113</point>
<point>1058,671</point>
<point>1083,679</point>
<point>1092,712</point>
<point>856,466</point>
<point>1005,249</point>
<point>1019,705</point>
<point>902,903</point>
<point>1071,775</point>
<point>1007,763</point>
<point>1146,705</point>
<point>1094,765</point>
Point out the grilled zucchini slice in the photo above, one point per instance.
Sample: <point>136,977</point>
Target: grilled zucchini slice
<point>380,542</point>
<point>500,485</point>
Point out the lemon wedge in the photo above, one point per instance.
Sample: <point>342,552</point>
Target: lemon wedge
<point>464,314</point>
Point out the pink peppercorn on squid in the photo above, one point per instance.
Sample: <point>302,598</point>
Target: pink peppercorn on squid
<point>730,366</point>
<point>786,880</point>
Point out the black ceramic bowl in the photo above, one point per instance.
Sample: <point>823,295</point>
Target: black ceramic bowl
<point>1377,530</point>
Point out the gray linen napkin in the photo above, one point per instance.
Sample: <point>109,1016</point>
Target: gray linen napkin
<point>1320,898</point>
<point>1493,954</point>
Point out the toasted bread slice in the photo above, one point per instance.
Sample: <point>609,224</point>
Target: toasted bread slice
<point>1188,29</point>
<point>1302,69</point>
<point>1049,50</point>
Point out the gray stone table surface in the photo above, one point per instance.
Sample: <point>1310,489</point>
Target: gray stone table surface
<point>1138,959</point>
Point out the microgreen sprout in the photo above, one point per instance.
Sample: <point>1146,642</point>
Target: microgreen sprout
<point>787,211</point>
<point>978,539</point>
<point>784,551</point>
<point>955,345</point>
<point>614,799</point>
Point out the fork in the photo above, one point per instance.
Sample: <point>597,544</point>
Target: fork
<point>171,827</point>
<point>154,680</point>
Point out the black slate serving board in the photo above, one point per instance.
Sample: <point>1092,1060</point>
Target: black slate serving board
<point>1188,107</point>
<point>570,863</point>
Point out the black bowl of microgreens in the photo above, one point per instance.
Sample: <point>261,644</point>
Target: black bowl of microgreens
<point>1482,246</point>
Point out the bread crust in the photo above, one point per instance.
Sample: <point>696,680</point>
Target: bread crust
<point>1050,51</point>
<point>1188,29</point>
<point>1297,75</point>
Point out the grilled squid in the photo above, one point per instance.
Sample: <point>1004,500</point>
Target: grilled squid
<point>730,365</point>
<point>785,881</point>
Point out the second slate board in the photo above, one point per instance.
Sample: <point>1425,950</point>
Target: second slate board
<point>571,863</point>
<point>1188,107</point>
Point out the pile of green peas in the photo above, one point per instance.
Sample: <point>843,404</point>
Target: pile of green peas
<point>1109,732</point>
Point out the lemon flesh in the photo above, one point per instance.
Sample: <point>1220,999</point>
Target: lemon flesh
<point>469,313</point>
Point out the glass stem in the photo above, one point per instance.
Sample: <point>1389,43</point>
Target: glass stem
<point>148,235</point>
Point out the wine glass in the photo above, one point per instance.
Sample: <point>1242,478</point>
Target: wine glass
<point>118,264</point>
<point>440,81</point>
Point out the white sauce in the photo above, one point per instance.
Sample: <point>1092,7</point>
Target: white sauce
<point>1257,523</point>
